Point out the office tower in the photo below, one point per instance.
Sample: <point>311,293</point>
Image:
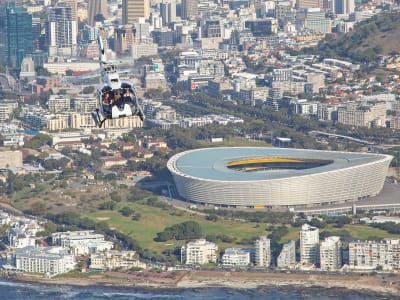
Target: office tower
<point>95,8</point>
<point>344,7</point>
<point>124,38</point>
<point>309,244</point>
<point>189,9</point>
<point>331,254</point>
<point>309,4</point>
<point>263,251</point>
<point>168,11</point>
<point>74,7</point>
<point>61,32</point>
<point>287,257</point>
<point>314,20</point>
<point>134,9</point>
<point>15,35</point>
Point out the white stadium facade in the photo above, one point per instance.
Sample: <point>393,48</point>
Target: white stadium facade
<point>276,177</point>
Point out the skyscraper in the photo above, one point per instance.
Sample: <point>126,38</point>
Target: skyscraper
<point>61,32</point>
<point>96,7</point>
<point>168,11</point>
<point>15,35</point>
<point>133,9</point>
<point>189,9</point>
<point>309,244</point>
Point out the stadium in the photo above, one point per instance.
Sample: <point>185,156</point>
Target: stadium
<point>276,177</point>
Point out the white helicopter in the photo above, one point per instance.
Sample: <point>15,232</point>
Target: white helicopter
<point>116,99</point>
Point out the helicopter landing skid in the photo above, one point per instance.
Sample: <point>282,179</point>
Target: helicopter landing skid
<point>98,119</point>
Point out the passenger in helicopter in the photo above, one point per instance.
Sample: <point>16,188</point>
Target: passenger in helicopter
<point>128,96</point>
<point>118,99</point>
<point>106,102</point>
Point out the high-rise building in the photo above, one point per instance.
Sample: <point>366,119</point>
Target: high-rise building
<point>189,9</point>
<point>287,257</point>
<point>124,38</point>
<point>96,7</point>
<point>263,252</point>
<point>331,254</point>
<point>168,11</point>
<point>314,20</point>
<point>61,32</point>
<point>309,244</point>
<point>309,4</point>
<point>344,7</point>
<point>15,35</point>
<point>59,103</point>
<point>134,9</point>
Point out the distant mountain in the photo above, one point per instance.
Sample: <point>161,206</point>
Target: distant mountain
<point>379,35</point>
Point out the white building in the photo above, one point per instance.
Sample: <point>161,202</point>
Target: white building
<point>82,242</point>
<point>18,238</point>
<point>287,257</point>
<point>52,260</point>
<point>331,254</point>
<point>263,252</point>
<point>235,257</point>
<point>369,255</point>
<point>309,245</point>
<point>59,103</point>
<point>199,252</point>
<point>113,259</point>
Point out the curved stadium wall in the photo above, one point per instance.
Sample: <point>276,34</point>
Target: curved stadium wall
<point>205,176</point>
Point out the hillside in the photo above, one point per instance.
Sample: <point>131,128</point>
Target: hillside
<point>379,35</point>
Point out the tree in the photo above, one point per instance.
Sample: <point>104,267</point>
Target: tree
<point>126,211</point>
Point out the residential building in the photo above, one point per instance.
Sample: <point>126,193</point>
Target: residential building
<point>363,115</point>
<point>199,252</point>
<point>59,103</point>
<point>70,238</point>
<point>84,104</point>
<point>18,238</point>
<point>367,255</point>
<point>309,245</point>
<point>234,257</point>
<point>114,259</point>
<point>46,260</point>
<point>287,256</point>
<point>16,40</point>
<point>6,110</point>
<point>263,252</point>
<point>331,254</point>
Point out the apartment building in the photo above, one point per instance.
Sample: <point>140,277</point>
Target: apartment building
<point>233,257</point>
<point>287,257</point>
<point>309,245</point>
<point>330,254</point>
<point>366,255</point>
<point>51,260</point>
<point>263,251</point>
<point>363,115</point>
<point>199,252</point>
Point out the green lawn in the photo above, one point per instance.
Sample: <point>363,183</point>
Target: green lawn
<point>155,220</point>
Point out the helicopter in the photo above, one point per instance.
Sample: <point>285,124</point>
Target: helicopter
<point>116,98</point>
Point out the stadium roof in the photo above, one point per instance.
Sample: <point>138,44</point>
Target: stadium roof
<point>211,163</point>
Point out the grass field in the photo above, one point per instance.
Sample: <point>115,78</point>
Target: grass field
<point>154,220</point>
